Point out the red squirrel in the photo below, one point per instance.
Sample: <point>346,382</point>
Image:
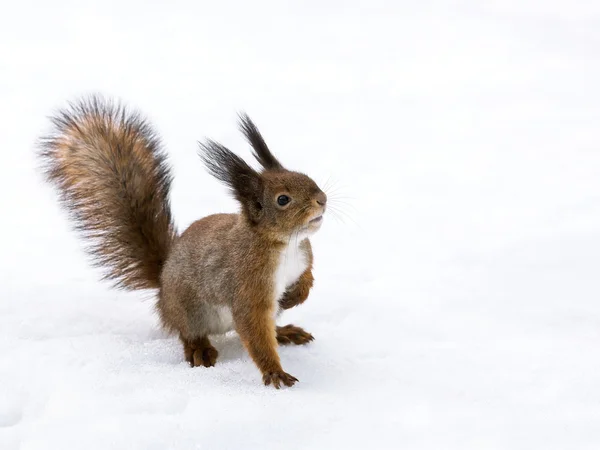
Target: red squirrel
<point>226,271</point>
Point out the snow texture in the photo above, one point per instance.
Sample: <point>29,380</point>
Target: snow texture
<point>456,305</point>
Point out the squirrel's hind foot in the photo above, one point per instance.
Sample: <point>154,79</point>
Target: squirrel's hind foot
<point>200,352</point>
<point>291,334</point>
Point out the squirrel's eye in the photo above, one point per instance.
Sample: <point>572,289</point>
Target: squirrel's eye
<point>283,200</point>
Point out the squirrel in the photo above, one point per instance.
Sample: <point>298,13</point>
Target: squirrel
<point>225,271</point>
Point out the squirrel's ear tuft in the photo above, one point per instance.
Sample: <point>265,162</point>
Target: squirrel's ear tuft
<point>259,148</point>
<point>244,182</point>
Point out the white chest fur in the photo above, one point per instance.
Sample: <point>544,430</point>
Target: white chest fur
<point>292,263</point>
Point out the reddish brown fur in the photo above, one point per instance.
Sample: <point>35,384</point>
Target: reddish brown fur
<point>114,181</point>
<point>200,352</point>
<point>298,293</point>
<point>291,334</point>
<point>226,270</point>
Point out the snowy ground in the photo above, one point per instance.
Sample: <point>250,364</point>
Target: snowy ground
<point>457,308</point>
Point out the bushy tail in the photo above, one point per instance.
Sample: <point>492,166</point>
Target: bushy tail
<point>114,180</point>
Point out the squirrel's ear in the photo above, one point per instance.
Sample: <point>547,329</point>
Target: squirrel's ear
<point>244,182</point>
<point>259,148</point>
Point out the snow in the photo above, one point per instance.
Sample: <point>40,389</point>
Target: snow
<point>457,307</point>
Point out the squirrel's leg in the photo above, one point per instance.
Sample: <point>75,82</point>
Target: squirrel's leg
<point>256,328</point>
<point>199,352</point>
<point>298,292</point>
<point>291,334</point>
<point>295,295</point>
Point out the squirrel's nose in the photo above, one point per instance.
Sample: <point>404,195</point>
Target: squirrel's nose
<point>321,198</point>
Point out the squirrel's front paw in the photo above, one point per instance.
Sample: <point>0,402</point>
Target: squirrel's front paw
<point>277,378</point>
<point>291,299</point>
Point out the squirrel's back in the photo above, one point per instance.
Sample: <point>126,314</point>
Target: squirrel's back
<point>114,180</point>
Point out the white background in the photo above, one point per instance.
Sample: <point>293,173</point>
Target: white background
<point>456,304</point>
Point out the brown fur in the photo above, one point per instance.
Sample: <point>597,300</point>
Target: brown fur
<point>298,293</point>
<point>114,181</point>
<point>291,334</point>
<point>200,352</point>
<point>226,270</point>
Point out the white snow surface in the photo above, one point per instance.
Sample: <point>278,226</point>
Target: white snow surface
<point>456,305</point>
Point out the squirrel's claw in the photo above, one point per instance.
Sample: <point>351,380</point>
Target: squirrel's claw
<point>276,378</point>
<point>291,334</point>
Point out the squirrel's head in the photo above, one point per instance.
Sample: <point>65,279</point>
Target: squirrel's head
<point>275,199</point>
